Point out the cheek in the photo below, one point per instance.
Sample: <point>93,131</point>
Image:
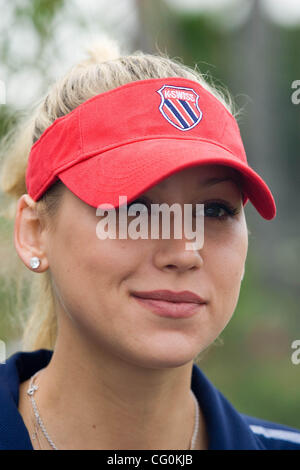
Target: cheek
<point>88,273</point>
<point>225,257</point>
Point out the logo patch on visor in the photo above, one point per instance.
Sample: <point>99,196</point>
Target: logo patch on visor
<point>179,106</point>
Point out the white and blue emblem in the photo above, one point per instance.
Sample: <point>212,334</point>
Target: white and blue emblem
<point>179,106</point>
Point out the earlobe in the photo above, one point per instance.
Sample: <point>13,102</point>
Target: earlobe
<point>28,235</point>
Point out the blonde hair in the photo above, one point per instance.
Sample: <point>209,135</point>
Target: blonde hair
<point>103,70</point>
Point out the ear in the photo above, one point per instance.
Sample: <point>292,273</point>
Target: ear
<point>29,235</point>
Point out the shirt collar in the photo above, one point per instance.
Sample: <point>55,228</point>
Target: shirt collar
<point>18,368</point>
<point>226,427</point>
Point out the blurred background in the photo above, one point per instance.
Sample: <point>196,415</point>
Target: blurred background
<point>250,47</point>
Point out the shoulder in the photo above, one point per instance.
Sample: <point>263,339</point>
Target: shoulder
<point>18,368</point>
<point>230,429</point>
<point>274,436</point>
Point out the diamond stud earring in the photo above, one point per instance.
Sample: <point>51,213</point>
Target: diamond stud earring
<point>35,262</point>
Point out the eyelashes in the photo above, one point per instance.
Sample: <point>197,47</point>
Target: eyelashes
<point>145,201</point>
<point>229,210</point>
<point>210,208</point>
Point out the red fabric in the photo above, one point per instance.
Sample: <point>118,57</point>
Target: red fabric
<point>124,141</point>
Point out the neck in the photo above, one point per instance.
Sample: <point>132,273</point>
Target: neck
<point>114,401</point>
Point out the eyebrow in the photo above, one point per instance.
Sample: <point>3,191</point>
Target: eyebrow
<point>209,182</point>
<point>214,180</point>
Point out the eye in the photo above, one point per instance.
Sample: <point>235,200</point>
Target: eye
<point>219,210</point>
<point>213,210</point>
<point>141,200</point>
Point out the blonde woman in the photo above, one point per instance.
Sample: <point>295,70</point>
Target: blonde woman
<point>116,323</point>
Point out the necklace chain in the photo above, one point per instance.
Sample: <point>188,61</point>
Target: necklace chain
<point>32,389</point>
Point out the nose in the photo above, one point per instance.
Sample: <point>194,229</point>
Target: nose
<point>173,255</point>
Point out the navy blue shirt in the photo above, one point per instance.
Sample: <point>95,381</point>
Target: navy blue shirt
<point>226,427</point>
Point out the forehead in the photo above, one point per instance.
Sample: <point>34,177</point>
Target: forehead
<point>205,175</point>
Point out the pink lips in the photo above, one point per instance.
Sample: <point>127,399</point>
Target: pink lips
<point>170,304</point>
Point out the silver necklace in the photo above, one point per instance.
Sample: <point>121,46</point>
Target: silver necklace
<point>32,389</point>
<point>30,392</point>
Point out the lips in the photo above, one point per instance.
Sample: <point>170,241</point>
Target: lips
<point>169,309</point>
<point>170,296</point>
<point>171,304</point>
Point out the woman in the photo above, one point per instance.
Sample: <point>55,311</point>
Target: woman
<point>118,321</point>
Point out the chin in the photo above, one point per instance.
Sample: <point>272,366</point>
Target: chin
<point>170,364</point>
<point>165,359</point>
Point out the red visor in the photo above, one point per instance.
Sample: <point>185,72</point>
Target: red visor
<point>124,141</point>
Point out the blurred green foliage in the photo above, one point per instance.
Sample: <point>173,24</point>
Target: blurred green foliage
<point>41,13</point>
<point>253,367</point>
